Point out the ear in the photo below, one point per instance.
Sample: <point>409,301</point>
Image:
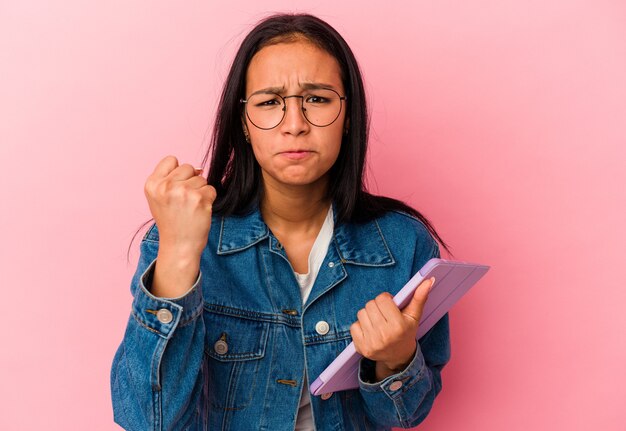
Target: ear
<point>245,129</point>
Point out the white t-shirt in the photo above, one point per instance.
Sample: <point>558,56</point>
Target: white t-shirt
<point>304,421</point>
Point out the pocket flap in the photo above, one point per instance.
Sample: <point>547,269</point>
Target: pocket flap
<point>232,338</point>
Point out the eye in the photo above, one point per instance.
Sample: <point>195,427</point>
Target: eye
<point>268,102</point>
<point>265,101</point>
<point>316,100</point>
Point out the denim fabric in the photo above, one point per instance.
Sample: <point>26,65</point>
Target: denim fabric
<point>173,376</point>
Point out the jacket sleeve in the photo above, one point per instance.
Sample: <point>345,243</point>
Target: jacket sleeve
<point>405,399</point>
<point>156,375</point>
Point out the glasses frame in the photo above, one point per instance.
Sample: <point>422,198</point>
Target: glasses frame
<point>302,108</point>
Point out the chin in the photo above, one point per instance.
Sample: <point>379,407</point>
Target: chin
<point>298,181</point>
<point>301,177</point>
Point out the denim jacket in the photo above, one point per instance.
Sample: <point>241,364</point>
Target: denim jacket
<point>232,353</point>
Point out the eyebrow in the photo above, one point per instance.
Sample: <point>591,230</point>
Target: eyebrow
<point>303,85</point>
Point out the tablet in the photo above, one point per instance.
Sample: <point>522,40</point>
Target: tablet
<point>452,280</point>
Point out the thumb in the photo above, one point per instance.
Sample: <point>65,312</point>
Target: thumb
<point>416,306</point>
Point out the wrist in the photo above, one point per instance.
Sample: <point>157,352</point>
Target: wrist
<point>382,371</point>
<point>180,255</point>
<point>385,369</point>
<point>174,274</point>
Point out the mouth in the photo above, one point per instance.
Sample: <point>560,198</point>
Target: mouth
<point>296,154</point>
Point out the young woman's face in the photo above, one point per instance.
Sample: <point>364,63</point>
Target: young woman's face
<point>295,152</point>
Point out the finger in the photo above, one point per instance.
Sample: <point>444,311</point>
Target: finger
<point>198,171</point>
<point>182,173</point>
<point>357,331</point>
<point>358,337</point>
<point>209,192</point>
<point>364,320</point>
<point>375,315</point>
<point>165,166</point>
<point>416,306</point>
<point>387,307</point>
<point>196,182</point>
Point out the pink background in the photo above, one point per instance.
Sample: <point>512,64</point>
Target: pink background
<point>504,122</point>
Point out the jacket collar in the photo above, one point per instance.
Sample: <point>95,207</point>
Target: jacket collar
<point>359,244</point>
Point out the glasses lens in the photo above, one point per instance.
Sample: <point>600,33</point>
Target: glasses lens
<point>265,110</point>
<point>321,108</point>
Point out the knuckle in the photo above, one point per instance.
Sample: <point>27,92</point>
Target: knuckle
<point>165,186</point>
<point>169,159</point>
<point>174,189</point>
<point>178,192</point>
<point>212,194</point>
<point>186,167</point>
<point>213,191</point>
<point>148,187</point>
<point>382,298</point>
<point>354,329</point>
<point>194,197</point>
<point>160,189</point>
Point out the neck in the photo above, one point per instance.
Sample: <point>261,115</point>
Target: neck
<point>295,209</point>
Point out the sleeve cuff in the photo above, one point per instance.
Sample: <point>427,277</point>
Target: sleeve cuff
<point>163,315</point>
<point>396,384</point>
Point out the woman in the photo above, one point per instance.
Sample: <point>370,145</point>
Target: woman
<point>253,280</point>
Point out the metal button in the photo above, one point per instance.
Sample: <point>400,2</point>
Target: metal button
<point>326,396</point>
<point>164,315</point>
<point>395,385</point>
<point>291,312</point>
<point>221,347</point>
<point>279,245</point>
<point>322,327</point>
<point>331,264</point>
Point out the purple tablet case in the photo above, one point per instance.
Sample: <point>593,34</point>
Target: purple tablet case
<point>452,280</point>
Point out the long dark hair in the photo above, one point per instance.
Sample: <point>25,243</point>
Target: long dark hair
<point>233,169</point>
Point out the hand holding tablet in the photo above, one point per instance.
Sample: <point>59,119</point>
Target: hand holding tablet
<point>453,280</point>
<point>385,333</point>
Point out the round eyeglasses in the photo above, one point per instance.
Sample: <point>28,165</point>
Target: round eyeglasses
<point>266,110</point>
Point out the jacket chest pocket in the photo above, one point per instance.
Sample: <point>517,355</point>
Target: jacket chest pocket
<point>235,347</point>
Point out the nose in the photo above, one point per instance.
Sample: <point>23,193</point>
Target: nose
<point>294,121</point>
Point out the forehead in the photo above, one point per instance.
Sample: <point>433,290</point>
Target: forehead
<point>288,65</point>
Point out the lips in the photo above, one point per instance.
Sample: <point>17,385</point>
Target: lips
<point>296,154</point>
